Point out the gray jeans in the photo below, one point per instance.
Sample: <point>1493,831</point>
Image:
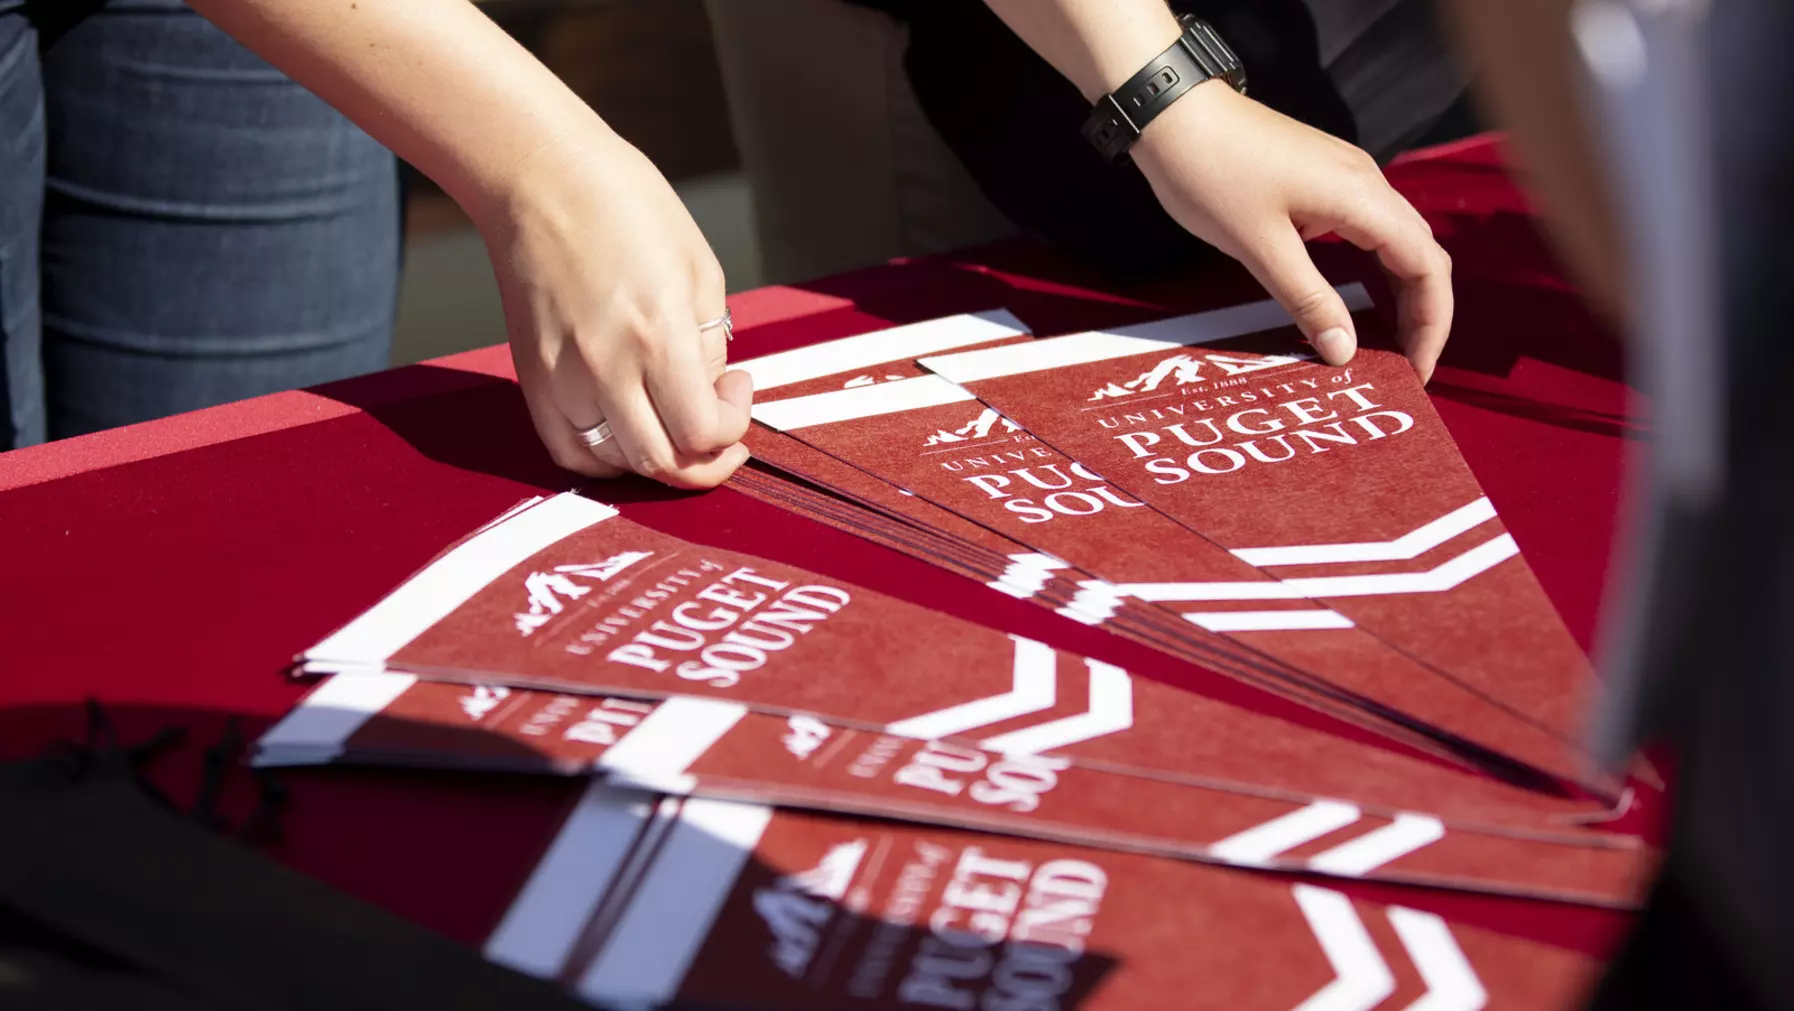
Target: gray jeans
<point>180,224</point>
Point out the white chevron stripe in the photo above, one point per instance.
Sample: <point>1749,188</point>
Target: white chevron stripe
<point>1412,544</point>
<point>1446,576</point>
<point>1267,621</point>
<point>1256,846</point>
<point>1356,857</point>
<point>1036,688</point>
<point>1111,709</point>
<point>1095,602</point>
<point>1361,978</point>
<point>1026,574</point>
<point>1451,982</point>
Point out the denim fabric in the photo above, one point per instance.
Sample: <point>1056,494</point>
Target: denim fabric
<point>180,224</point>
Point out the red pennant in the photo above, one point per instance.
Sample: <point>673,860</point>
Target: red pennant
<point>711,748</point>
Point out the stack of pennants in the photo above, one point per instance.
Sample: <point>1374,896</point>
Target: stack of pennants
<point>810,794</point>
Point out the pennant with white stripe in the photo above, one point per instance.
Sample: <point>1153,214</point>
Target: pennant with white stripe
<point>1362,977</point>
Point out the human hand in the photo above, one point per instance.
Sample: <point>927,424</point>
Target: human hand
<point>604,278</point>
<point>1256,184</point>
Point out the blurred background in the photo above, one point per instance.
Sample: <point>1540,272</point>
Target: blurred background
<point>650,70</point>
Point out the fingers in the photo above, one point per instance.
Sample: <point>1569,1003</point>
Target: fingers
<point>684,389</point>
<point>560,436</point>
<point>669,420</point>
<point>1280,262</point>
<point>639,432</point>
<point>1417,265</point>
<point>737,387</point>
<point>716,351</point>
<point>1377,220</point>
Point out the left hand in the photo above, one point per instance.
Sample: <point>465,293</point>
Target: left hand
<point>605,279</point>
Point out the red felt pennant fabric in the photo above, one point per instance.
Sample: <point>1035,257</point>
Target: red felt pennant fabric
<point>566,595</point>
<point>943,537</point>
<point>706,902</point>
<point>1342,483</point>
<point>933,438</point>
<point>706,747</point>
<point>880,479</point>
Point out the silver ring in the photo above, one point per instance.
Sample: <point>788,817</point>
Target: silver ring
<point>726,321</point>
<point>595,436</point>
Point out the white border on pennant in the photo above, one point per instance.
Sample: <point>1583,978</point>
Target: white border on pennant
<point>860,402</point>
<point>1123,342</point>
<point>1268,621</point>
<point>880,346</point>
<point>655,753</point>
<point>449,581</point>
<point>544,922</point>
<point>676,904</point>
<point>316,730</point>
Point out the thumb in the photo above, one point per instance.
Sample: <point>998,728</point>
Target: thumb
<point>1280,262</point>
<point>736,387</point>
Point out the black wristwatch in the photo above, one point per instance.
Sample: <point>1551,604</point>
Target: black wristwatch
<point>1198,55</point>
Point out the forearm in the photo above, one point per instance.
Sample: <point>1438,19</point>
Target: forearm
<point>1249,181</point>
<point>434,80</point>
<point>1096,44</point>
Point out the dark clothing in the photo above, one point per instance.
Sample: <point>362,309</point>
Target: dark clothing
<point>1374,72</point>
<point>180,224</point>
<point>1707,660</point>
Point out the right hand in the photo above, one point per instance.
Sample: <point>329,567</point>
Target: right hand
<point>605,278</point>
<point>1256,184</point>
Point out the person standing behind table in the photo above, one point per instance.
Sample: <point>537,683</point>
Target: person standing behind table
<point>613,301</point>
<point>873,129</point>
<point>604,277</point>
<point>180,224</point>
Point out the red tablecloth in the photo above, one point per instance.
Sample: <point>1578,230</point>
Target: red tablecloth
<point>173,569</point>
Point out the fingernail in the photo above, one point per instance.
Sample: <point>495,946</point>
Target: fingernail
<point>1334,345</point>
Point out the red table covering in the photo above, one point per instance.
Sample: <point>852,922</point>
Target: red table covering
<point>173,569</point>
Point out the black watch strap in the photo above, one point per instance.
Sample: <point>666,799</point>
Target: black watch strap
<point>1198,55</point>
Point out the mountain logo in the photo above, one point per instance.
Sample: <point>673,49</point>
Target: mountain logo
<point>978,428</point>
<point>807,733</point>
<point>797,907</point>
<point>1184,369</point>
<point>602,571</point>
<point>858,381</point>
<point>482,699</point>
<point>549,592</point>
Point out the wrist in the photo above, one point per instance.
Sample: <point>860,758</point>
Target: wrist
<point>1123,45</point>
<point>1185,125</point>
<point>558,170</point>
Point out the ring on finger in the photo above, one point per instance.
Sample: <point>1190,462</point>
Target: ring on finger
<point>595,436</point>
<point>726,321</point>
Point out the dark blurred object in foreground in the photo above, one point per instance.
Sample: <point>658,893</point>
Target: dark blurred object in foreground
<point>1685,101</point>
